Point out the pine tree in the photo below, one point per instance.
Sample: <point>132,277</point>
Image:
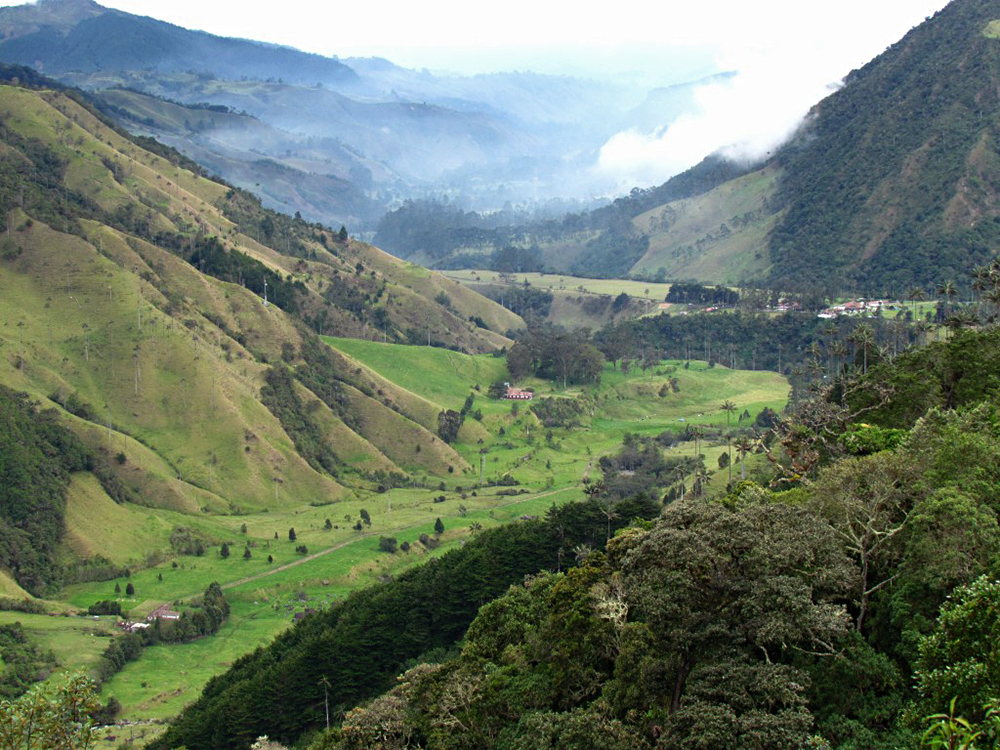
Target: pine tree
<point>438,527</point>
<point>246,553</point>
<point>130,589</point>
<point>291,535</point>
<point>224,552</point>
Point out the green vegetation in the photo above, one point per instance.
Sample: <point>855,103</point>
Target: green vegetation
<point>37,455</point>
<point>854,609</point>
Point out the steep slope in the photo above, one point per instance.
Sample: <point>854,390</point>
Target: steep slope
<point>897,178</point>
<point>892,181</point>
<point>132,295</point>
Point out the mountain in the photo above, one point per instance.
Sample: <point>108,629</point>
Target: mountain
<point>891,182</point>
<point>358,135</point>
<point>59,36</point>
<point>133,295</point>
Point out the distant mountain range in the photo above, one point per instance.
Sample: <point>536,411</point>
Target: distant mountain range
<point>893,181</point>
<point>336,140</point>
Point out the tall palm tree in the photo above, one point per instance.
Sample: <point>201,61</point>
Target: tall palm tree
<point>863,336</point>
<point>916,294</point>
<point>838,352</point>
<point>744,445</point>
<point>946,293</point>
<point>729,407</point>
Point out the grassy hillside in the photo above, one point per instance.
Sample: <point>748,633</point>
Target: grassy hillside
<point>719,236</point>
<point>576,302</point>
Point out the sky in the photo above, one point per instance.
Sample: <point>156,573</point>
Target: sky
<point>788,54</point>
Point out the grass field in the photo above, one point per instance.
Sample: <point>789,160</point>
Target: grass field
<point>561,283</point>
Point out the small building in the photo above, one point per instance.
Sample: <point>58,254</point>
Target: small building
<point>163,613</point>
<point>517,394</point>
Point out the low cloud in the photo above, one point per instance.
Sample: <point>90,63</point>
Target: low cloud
<point>787,57</point>
<point>745,118</point>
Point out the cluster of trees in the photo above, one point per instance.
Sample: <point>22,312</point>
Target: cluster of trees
<point>451,421</point>
<point>22,662</point>
<point>37,456</point>
<point>698,294</point>
<point>209,256</point>
<point>279,395</point>
<point>534,305</point>
<point>565,357</point>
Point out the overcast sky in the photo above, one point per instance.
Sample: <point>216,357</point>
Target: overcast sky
<point>788,53</point>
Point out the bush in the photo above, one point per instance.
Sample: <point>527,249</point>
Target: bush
<point>105,607</point>
<point>387,544</point>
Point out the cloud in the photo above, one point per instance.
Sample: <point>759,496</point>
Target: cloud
<point>781,72</point>
<point>745,118</point>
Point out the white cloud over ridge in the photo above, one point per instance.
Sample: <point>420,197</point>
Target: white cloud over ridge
<point>779,77</point>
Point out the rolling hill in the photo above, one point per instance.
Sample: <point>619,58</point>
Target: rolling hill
<point>133,295</point>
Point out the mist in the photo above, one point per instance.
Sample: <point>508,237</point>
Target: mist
<point>782,69</point>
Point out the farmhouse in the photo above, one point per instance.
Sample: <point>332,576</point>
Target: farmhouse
<point>163,613</point>
<point>517,394</point>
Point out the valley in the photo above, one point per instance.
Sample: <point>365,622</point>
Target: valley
<point>546,464</point>
<point>407,432</point>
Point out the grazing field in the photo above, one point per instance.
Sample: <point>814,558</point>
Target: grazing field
<point>554,282</point>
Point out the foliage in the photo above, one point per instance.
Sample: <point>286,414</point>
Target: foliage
<point>957,669</point>
<point>211,257</point>
<point>105,607</point>
<point>555,355</point>
<point>280,396</point>
<point>43,720</point>
<point>23,662</point>
<point>651,644</point>
<point>449,423</point>
<point>863,439</point>
<point>558,412</point>
<point>697,294</point>
<point>36,458</point>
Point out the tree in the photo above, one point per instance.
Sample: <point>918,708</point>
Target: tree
<point>342,234</point>
<point>703,593</point>
<point>387,544</point>
<point>224,551</point>
<point>867,503</point>
<point>449,423</point>
<point>118,588</point>
<point>729,407</point>
<point>44,719</point>
<point>863,336</point>
<point>958,659</point>
<point>246,553</point>
<point>438,527</point>
<point>129,589</point>
<point>291,535</point>
<point>270,558</point>
<point>365,517</point>
<point>328,524</point>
